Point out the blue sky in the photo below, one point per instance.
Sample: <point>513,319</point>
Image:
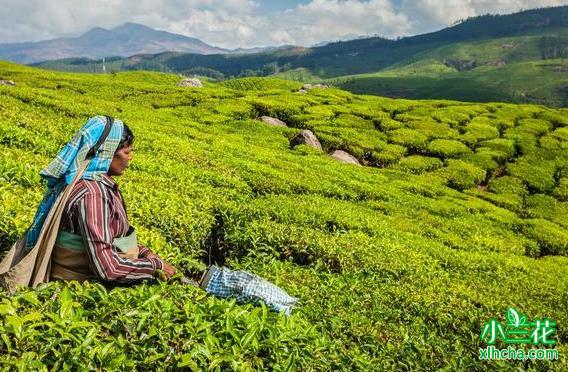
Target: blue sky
<point>248,23</point>
<point>275,6</point>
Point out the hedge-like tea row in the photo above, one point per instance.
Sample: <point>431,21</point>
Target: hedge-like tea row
<point>459,212</point>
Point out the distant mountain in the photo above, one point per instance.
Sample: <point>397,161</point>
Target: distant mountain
<point>125,40</point>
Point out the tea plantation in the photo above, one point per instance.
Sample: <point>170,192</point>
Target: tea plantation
<point>459,211</point>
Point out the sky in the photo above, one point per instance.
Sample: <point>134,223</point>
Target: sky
<point>249,23</point>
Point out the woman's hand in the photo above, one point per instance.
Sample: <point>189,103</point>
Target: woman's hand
<point>169,270</point>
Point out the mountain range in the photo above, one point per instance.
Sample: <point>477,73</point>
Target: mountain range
<point>125,40</point>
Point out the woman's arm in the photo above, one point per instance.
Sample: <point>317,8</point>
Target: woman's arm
<point>144,252</point>
<point>93,212</point>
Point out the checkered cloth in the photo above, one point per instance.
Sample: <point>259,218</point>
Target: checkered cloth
<point>247,287</point>
<point>61,171</point>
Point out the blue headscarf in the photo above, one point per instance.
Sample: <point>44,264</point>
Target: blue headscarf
<point>61,171</point>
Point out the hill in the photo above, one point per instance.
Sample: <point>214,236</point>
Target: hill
<point>530,69</point>
<point>458,212</point>
<point>124,40</point>
<point>482,59</point>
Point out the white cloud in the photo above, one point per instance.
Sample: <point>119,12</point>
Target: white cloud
<point>333,19</point>
<point>429,15</point>
<point>33,20</point>
<point>226,23</point>
<point>281,37</point>
<point>304,25</point>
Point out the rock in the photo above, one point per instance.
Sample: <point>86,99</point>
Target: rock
<point>273,121</point>
<point>499,63</point>
<point>307,87</point>
<point>193,82</point>
<point>303,91</point>
<point>7,82</point>
<point>306,137</point>
<point>344,157</point>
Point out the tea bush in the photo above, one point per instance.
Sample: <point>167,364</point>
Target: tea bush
<point>447,148</point>
<point>389,155</point>
<point>561,134</point>
<point>508,185</point>
<point>434,130</point>
<point>545,206</point>
<point>551,238</point>
<point>484,158</point>
<point>537,127</point>
<point>561,191</point>
<point>409,138</point>
<point>504,146</point>
<point>540,179</point>
<point>419,164</point>
<point>461,175</point>
<point>475,132</point>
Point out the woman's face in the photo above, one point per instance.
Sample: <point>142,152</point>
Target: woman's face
<point>120,161</point>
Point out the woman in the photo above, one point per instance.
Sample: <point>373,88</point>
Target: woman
<point>95,239</point>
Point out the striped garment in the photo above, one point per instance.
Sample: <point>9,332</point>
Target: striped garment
<point>96,211</point>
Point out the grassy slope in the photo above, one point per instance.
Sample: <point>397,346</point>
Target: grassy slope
<point>394,269</point>
<point>524,78</point>
<point>534,82</point>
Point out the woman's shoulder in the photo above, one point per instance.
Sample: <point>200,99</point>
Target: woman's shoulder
<point>93,188</point>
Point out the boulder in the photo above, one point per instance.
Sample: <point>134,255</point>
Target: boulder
<point>307,87</point>
<point>273,121</point>
<point>7,82</point>
<point>303,91</point>
<point>344,157</point>
<point>192,82</point>
<point>306,137</point>
<point>499,63</point>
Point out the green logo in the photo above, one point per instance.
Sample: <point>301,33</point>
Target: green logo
<point>518,330</point>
